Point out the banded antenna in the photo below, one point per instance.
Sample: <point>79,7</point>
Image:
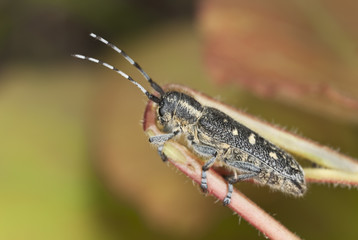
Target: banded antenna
<point>149,95</point>
<point>153,84</point>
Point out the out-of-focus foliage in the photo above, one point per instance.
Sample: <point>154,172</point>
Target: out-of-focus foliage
<point>299,52</point>
<point>74,161</point>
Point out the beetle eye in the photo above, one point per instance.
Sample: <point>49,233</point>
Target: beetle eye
<point>161,112</point>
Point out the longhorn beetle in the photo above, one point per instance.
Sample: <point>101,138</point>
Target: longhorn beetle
<point>215,136</point>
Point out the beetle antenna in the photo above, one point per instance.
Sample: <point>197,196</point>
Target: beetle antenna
<point>153,84</point>
<point>149,95</point>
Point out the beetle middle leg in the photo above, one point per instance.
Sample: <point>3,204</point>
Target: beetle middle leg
<point>205,151</point>
<point>160,141</point>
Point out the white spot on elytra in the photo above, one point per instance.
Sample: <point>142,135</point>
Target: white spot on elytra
<point>252,139</point>
<point>235,132</point>
<point>273,155</point>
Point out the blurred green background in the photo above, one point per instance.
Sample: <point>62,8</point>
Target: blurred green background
<point>74,161</point>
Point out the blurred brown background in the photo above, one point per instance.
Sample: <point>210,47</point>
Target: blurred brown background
<point>74,161</point>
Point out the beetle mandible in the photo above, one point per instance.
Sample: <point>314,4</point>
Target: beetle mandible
<point>215,136</point>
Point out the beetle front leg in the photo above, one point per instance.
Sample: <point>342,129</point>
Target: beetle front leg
<point>205,151</point>
<point>160,141</point>
<point>161,154</point>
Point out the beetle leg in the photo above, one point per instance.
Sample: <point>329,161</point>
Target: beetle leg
<point>242,166</point>
<point>206,167</point>
<point>161,154</point>
<point>160,141</point>
<point>205,151</point>
<point>233,180</point>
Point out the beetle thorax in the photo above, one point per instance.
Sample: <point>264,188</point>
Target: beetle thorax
<point>178,110</point>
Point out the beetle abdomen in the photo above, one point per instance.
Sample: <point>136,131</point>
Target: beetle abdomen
<point>223,129</point>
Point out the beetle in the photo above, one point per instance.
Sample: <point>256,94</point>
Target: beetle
<point>216,137</point>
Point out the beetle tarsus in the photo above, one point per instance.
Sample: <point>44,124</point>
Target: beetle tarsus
<point>161,154</point>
